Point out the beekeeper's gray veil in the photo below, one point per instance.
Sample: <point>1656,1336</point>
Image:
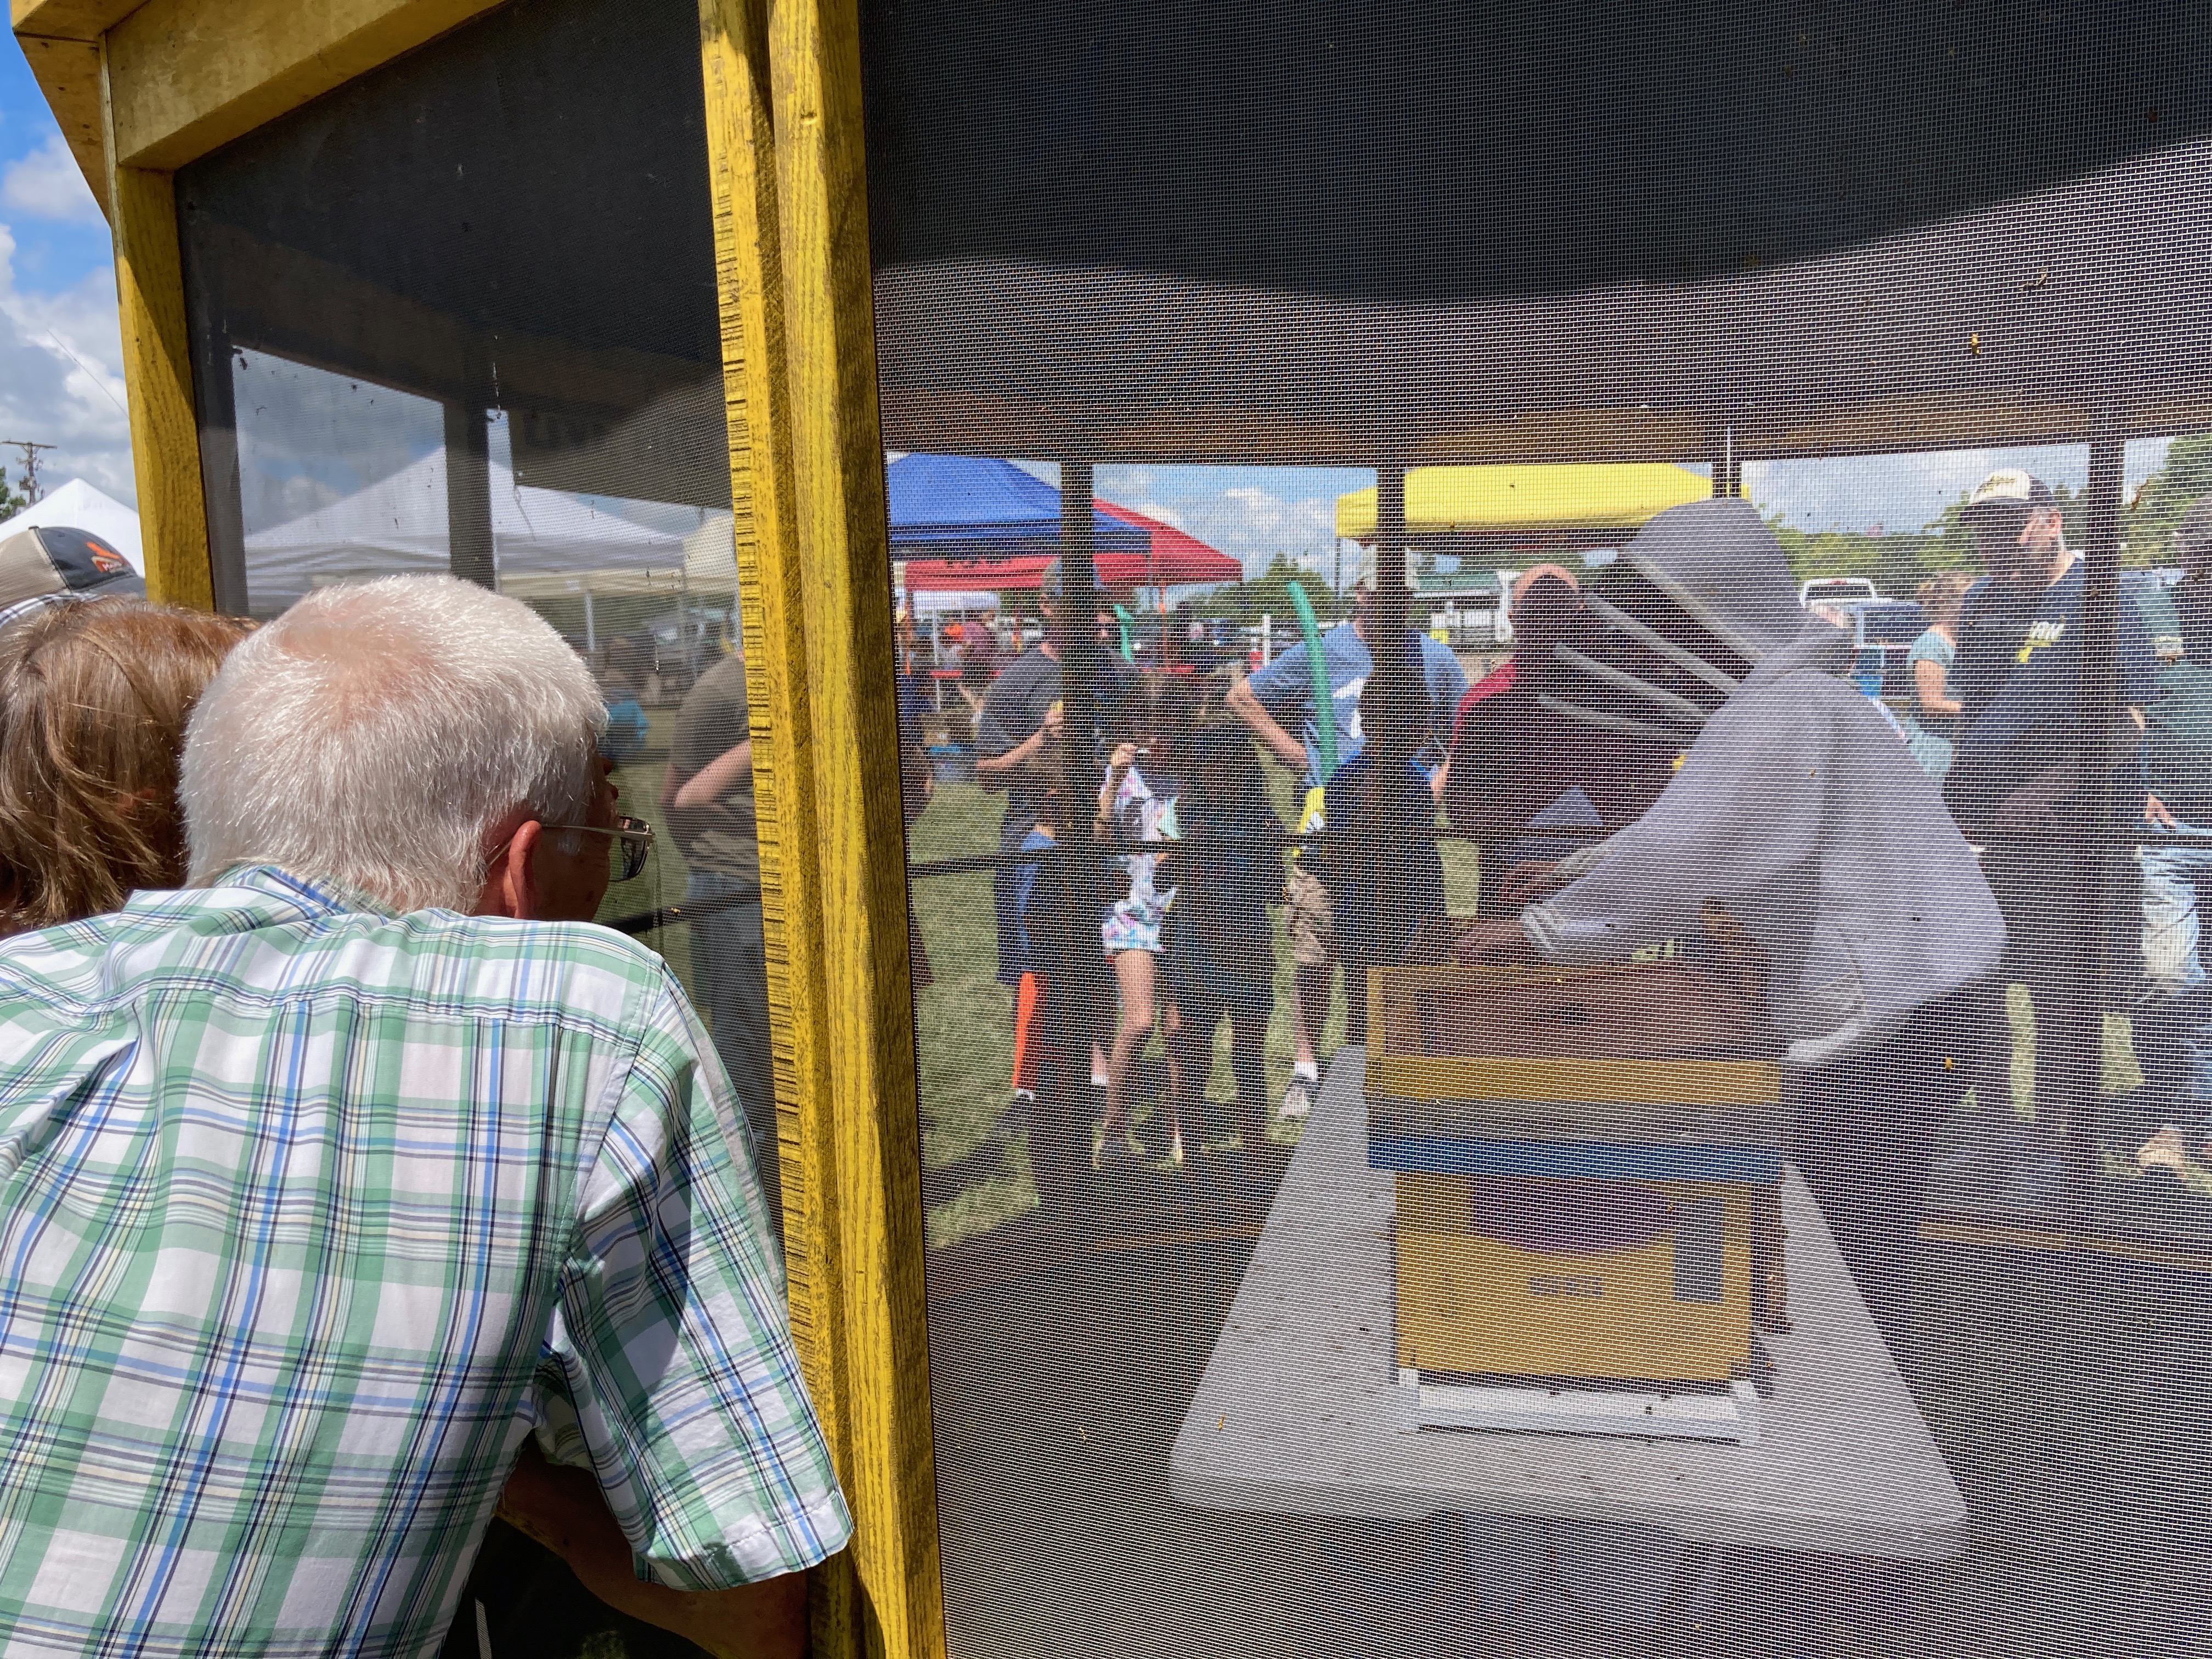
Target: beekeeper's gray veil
<point>1701,595</point>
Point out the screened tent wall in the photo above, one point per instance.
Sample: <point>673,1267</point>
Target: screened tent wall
<point>608,301</point>
<point>1213,248</point>
<point>461,315</point>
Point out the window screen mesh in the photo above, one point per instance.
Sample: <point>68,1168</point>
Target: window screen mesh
<point>1748,1198</point>
<point>1748,1193</point>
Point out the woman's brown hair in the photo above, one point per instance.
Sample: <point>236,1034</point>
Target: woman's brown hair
<point>94,698</point>
<point>1941,596</point>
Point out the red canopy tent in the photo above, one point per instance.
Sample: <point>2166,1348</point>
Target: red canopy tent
<point>1174,558</point>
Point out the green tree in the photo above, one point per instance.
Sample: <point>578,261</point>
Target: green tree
<point>2148,522</point>
<point>1268,593</point>
<point>12,501</point>
<point>1897,564</point>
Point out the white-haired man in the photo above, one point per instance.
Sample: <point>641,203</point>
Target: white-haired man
<point>325,1181</point>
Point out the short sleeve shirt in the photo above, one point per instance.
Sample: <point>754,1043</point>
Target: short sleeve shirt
<point>1285,688</point>
<point>1932,646</point>
<point>1013,711</point>
<point>312,1214</point>
<point>722,837</point>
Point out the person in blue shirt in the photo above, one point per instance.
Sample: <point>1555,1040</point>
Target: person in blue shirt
<point>1270,703</point>
<point>628,730</point>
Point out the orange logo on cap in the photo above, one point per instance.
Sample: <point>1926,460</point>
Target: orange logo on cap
<point>106,560</point>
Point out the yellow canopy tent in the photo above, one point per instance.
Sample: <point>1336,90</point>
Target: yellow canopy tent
<point>1505,500</point>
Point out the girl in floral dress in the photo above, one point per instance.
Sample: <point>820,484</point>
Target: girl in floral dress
<point>1137,804</point>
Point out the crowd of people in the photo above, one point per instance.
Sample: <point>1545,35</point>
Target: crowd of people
<point>307,1046</point>
<point>1183,928</point>
<point>1675,740</point>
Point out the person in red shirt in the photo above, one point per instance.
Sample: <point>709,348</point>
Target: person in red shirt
<point>1523,761</point>
<point>1537,626</point>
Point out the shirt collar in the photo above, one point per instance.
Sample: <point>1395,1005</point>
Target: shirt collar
<point>311,897</point>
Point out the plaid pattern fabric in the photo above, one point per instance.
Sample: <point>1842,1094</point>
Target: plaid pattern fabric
<point>308,1214</point>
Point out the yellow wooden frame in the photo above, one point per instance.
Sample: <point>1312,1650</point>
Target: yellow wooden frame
<point>813,557</point>
<point>141,89</point>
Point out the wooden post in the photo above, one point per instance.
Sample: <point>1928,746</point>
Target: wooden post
<point>1392,715</point>
<point>149,288</point>
<point>1727,469</point>
<point>2098,865</point>
<point>783,123</point>
<point>1388,711</point>
<point>468,496</point>
<point>1061,1133</point>
<point>1081,659</point>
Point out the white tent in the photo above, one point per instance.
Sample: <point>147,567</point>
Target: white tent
<point>397,526</point>
<point>707,568</point>
<point>77,505</point>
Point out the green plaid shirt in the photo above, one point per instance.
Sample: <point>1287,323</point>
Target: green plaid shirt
<point>308,1214</point>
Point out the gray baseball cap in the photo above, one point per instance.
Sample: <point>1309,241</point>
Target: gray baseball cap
<point>53,564</point>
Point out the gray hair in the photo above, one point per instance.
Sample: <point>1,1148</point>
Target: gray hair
<point>372,735</point>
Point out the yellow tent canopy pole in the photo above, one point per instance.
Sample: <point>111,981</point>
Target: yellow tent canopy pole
<point>1496,500</point>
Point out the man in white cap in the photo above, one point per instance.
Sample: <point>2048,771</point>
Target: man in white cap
<point>2025,770</point>
<point>1798,813</point>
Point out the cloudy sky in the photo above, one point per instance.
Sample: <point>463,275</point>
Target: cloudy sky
<point>61,383</point>
<point>1257,512</point>
<point>61,378</point>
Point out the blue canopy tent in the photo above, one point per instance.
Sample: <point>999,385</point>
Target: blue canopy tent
<point>974,508</point>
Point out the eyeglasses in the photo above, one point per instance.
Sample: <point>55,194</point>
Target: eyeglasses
<point>633,836</point>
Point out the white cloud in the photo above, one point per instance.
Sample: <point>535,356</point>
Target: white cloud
<point>1255,523</point>
<point>307,437</point>
<point>61,379</point>
<point>47,184</point>
<point>1252,514</point>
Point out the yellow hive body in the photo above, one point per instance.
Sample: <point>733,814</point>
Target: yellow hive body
<point>1481,1306</point>
<point>1551,1073</point>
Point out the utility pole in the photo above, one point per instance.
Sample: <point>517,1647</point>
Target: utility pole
<point>31,489</point>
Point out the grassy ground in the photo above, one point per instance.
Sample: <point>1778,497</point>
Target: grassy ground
<point>963,1019</point>
<point>661,883</point>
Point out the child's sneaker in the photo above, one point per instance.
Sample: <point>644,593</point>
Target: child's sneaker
<point>1297,1100</point>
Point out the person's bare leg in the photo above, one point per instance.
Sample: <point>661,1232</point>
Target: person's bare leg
<point>1132,972</point>
<point>562,1510</point>
<point>1310,988</point>
<point>1190,1050</point>
<point>1171,1027</point>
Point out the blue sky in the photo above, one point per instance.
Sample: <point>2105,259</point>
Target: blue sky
<point>60,359</point>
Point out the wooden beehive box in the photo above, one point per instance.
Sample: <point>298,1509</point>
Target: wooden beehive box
<point>1638,1054</point>
<point>1584,1162</point>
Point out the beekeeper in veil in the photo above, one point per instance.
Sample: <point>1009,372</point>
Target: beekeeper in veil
<point>1798,815</point>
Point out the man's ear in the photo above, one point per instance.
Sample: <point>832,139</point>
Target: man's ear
<point>510,889</point>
